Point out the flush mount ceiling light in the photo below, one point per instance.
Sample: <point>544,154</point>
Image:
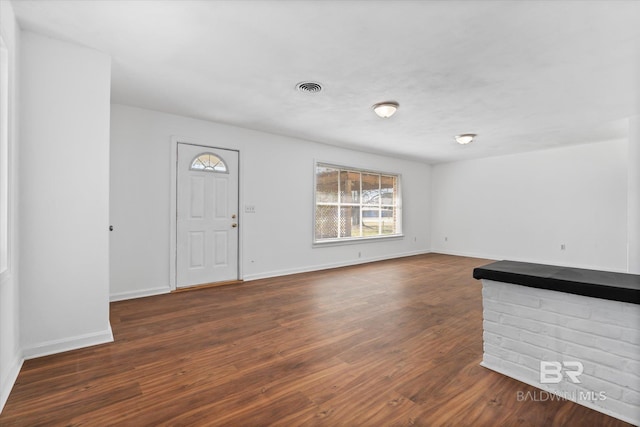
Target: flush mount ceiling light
<point>465,138</point>
<point>386,109</point>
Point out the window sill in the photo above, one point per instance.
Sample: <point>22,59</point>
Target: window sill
<point>355,240</point>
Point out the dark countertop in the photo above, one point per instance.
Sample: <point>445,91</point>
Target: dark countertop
<point>592,283</point>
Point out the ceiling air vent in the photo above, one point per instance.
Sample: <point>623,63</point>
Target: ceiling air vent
<point>309,87</point>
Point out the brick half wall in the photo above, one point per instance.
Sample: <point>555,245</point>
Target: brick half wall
<point>524,326</point>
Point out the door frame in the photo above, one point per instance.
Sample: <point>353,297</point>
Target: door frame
<point>173,208</point>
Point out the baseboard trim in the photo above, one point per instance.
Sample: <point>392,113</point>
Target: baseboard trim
<point>307,269</point>
<point>10,379</point>
<point>494,257</point>
<point>67,344</point>
<point>467,254</point>
<point>121,296</point>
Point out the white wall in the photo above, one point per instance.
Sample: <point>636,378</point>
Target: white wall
<point>633,191</point>
<point>276,177</point>
<point>64,196</point>
<point>10,354</point>
<point>523,207</point>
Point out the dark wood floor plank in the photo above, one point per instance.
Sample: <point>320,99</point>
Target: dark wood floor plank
<point>393,343</point>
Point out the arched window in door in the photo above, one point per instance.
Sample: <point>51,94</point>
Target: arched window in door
<point>208,162</point>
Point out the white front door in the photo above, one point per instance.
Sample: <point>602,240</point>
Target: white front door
<point>207,215</point>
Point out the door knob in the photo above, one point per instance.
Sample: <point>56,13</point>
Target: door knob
<point>234,225</point>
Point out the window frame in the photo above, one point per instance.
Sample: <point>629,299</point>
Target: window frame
<point>213,170</point>
<point>359,239</point>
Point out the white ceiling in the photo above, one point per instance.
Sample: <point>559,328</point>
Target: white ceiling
<point>523,75</point>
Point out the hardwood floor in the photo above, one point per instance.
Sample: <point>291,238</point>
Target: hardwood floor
<point>390,343</point>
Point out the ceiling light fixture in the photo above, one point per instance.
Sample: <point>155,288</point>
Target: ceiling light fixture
<point>465,138</point>
<point>386,109</point>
